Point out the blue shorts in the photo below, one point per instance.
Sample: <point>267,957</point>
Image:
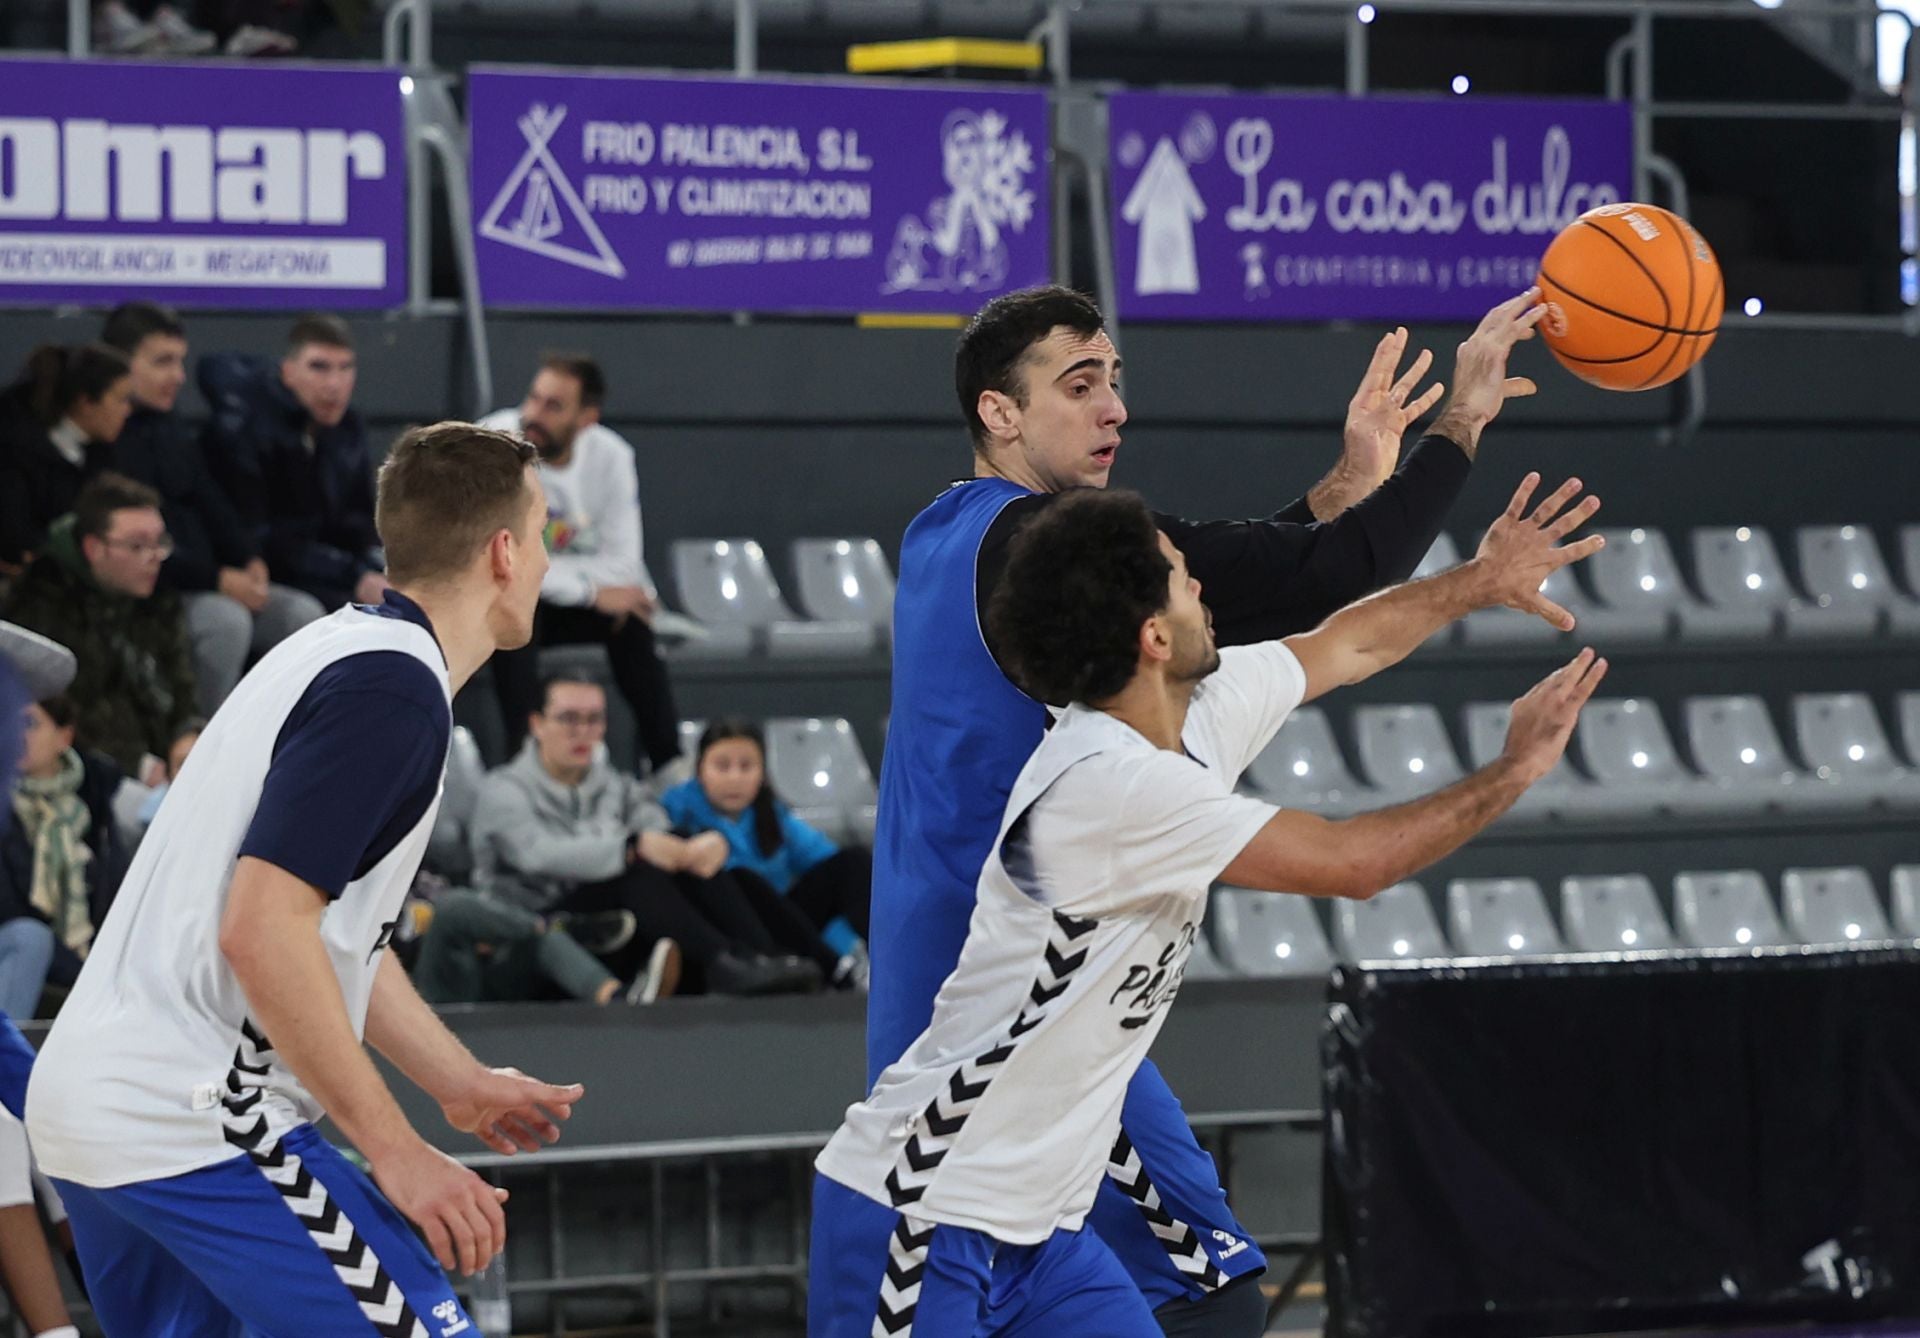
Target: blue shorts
<point>294,1242</point>
<point>1161,1210</point>
<point>875,1272</point>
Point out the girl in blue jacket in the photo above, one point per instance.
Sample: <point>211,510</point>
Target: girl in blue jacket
<point>730,794</point>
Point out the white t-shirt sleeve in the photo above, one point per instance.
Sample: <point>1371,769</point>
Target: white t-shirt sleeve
<point>1242,704</point>
<point>1165,827</point>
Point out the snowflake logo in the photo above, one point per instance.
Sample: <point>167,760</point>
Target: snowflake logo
<point>961,246</point>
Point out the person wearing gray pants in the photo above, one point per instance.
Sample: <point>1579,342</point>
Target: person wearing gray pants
<point>484,949</point>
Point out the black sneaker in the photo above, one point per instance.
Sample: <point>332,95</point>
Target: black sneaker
<point>601,933</point>
<point>730,973</point>
<point>660,977</point>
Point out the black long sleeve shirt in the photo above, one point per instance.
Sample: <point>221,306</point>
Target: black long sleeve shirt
<point>1285,573</point>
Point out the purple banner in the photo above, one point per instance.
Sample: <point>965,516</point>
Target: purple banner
<point>620,191</point>
<point>209,184</point>
<point>1310,208</point>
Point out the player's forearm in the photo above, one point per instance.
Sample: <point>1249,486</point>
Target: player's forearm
<point>294,997</point>
<point>1343,487</point>
<point>1392,844</point>
<point>403,1027</point>
<point>1383,629</point>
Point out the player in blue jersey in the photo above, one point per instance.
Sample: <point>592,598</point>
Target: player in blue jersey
<point>225,1002</point>
<point>1038,384</point>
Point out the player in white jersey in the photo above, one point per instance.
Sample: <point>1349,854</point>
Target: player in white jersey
<point>951,1201</point>
<point>223,1007</point>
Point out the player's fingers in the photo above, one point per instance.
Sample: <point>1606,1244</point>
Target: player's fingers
<point>460,1232</point>
<point>559,1098</point>
<point>1379,373</point>
<point>478,1230</point>
<point>440,1241</point>
<point>1522,325</point>
<point>1518,387</point>
<point>1583,691</point>
<point>1547,610</point>
<point>495,1219</point>
<point>524,1138</point>
<point>495,1138</point>
<point>1404,386</point>
<point>1521,496</point>
<point>1556,501</point>
<point>1574,517</point>
<point>1420,406</point>
<point>1509,309</point>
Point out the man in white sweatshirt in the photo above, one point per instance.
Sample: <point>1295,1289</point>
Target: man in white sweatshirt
<point>598,589</point>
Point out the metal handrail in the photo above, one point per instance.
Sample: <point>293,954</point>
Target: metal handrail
<point>451,149</point>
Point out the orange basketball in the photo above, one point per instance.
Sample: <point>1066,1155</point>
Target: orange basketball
<point>1634,296</point>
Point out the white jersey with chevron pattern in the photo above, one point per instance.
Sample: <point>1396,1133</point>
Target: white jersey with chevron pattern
<point>1001,1116</point>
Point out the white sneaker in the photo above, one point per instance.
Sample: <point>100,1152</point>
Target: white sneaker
<point>854,971</point>
<point>178,37</point>
<point>254,40</point>
<point>661,975</point>
<point>118,33</point>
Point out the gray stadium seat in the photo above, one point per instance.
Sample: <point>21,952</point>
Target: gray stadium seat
<point>1910,557</point>
<point>845,580</point>
<point>817,767</point>
<point>1840,737</point>
<point>1637,569</point>
<point>727,583</point>
<point>1404,750</point>
<point>1908,705</point>
<point>1202,964</point>
<point>1841,568</point>
<point>1562,792</point>
<point>1500,917</point>
<point>1829,908</point>
<point>690,732</point>
<point>1441,556</point>
<point>1906,900</point>
<point>1505,627</point>
<point>1626,747</point>
<point>1735,745</point>
<point>447,848</point>
<point>1303,768</point>
<point>1726,910</point>
<point>1740,568</point>
<point>1268,933</point>
<point>1613,914</point>
<point>1396,924</point>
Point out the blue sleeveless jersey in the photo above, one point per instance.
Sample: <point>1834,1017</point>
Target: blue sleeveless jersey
<point>959,734</point>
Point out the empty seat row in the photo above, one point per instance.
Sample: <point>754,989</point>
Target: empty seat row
<point>1261,934</point>
<point>728,586</point>
<point>1633,589</point>
<point>1631,766</point>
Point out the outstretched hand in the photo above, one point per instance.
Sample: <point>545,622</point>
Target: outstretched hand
<point>1520,551</point>
<point>510,1112</point>
<point>1543,720</point>
<point>1481,386</point>
<point>1381,410</point>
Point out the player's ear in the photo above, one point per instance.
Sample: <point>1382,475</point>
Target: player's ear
<point>1000,414</point>
<point>1156,639</point>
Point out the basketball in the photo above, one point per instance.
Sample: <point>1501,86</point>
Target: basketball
<point>1634,296</point>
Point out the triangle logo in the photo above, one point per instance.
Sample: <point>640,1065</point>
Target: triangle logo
<point>538,210</point>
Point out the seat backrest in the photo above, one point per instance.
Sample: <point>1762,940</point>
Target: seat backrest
<point>1738,567</point>
<point>1613,914</point>
<point>1202,964</point>
<point>1624,742</point>
<point>1726,910</point>
<point>1441,556</point>
<point>814,760</point>
<point>1404,749</point>
<point>727,581</point>
<point>1302,761</point>
<point>1637,569</point>
<point>1397,923</point>
<point>1829,907</point>
<point>1910,557</point>
<point>690,732</point>
<point>844,579</point>
<point>1269,933</point>
<point>1487,738</point>
<point>1908,705</point>
<point>1906,900</point>
<point>1839,735</point>
<point>1841,565</point>
<point>465,771</point>
<point>1733,738</point>
<point>1500,917</point>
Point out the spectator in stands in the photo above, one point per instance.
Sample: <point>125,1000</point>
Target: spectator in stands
<point>768,846</point>
<point>293,457</point>
<point>233,607</point>
<point>485,949</point>
<point>57,425</point>
<point>142,28</point>
<point>598,589</point>
<point>559,829</point>
<point>95,591</point>
<point>61,859</point>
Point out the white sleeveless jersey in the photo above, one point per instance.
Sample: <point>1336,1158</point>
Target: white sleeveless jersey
<point>142,1072</point>
<point>1001,1115</point>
